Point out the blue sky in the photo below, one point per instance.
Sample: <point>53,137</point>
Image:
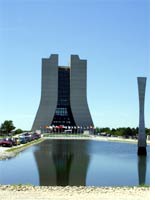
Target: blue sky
<point>113,35</point>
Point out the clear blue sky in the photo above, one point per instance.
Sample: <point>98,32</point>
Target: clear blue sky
<point>113,35</point>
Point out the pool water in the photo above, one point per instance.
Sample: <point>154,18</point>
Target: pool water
<point>77,162</point>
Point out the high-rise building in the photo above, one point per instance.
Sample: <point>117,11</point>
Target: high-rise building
<point>63,95</point>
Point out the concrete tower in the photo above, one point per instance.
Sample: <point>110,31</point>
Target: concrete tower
<point>141,132</point>
<point>63,94</point>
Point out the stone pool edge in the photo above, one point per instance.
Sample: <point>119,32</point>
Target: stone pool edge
<point>15,150</point>
<point>7,153</point>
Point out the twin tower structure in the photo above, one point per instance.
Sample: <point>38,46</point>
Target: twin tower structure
<point>63,94</point>
<point>64,100</point>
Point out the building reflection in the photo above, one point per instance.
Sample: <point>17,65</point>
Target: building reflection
<point>142,162</point>
<point>62,162</point>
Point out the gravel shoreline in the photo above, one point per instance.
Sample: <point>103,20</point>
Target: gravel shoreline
<point>17,192</point>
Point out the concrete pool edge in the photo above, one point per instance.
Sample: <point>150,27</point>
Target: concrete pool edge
<point>4,154</point>
<point>98,138</point>
<point>10,152</point>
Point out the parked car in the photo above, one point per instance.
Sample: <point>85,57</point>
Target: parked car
<point>27,136</point>
<point>33,137</point>
<point>36,136</point>
<point>16,141</point>
<point>22,140</point>
<point>6,142</point>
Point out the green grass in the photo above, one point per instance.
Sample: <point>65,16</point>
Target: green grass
<point>144,185</point>
<point>24,146</point>
<point>22,185</point>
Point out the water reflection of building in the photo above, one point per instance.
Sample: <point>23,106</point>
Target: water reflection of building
<point>62,162</point>
<point>142,162</point>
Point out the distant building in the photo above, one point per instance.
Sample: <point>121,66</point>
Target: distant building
<point>63,95</point>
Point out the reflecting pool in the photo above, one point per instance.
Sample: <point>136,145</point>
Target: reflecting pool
<point>77,162</point>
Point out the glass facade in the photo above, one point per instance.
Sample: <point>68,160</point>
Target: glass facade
<point>63,114</point>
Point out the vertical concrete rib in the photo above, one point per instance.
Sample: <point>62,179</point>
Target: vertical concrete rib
<point>49,93</point>
<point>141,132</point>
<point>78,87</point>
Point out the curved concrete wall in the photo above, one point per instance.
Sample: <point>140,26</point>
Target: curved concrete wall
<point>49,93</point>
<point>78,92</point>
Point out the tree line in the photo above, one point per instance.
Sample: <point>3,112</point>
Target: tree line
<point>122,131</point>
<point>7,127</point>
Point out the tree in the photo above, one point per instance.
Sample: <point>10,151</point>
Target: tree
<point>128,132</point>
<point>18,131</point>
<point>134,131</point>
<point>120,131</point>
<point>106,130</point>
<point>147,131</point>
<point>97,130</point>
<point>7,127</point>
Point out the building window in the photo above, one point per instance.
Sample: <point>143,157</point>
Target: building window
<point>63,114</point>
